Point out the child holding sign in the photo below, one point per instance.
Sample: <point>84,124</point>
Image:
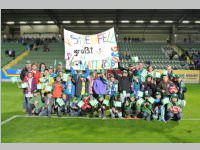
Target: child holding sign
<point>128,107</point>
<point>48,104</point>
<point>112,87</point>
<point>146,108</point>
<point>116,109</point>
<point>57,87</point>
<point>36,103</point>
<point>158,108</point>
<point>46,82</point>
<point>74,108</point>
<point>102,106</point>
<point>174,108</point>
<point>85,106</point>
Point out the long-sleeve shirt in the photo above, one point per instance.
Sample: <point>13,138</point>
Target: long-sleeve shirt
<point>99,86</point>
<point>124,82</point>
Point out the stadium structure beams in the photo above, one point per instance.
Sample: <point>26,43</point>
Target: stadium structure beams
<point>59,15</point>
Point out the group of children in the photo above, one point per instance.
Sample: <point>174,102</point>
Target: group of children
<point>136,93</point>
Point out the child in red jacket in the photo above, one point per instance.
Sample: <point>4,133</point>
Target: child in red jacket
<point>86,107</point>
<point>36,73</point>
<point>57,88</point>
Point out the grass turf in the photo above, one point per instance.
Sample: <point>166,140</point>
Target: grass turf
<point>57,130</point>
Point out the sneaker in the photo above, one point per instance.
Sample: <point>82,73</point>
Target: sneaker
<point>135,118</point>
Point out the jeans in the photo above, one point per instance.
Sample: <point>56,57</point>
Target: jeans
<point>24,104</point>
<point>28,105</point>
<point>159,113</point>
<point>147,116</point>
<point>46,112</point>
<point>115,114</point>
<point>74,112</point>
<point>87,111</point>
<point>177,116</point>
<point>102,113</point>
<point>122,97</point>
<point>128,112</point>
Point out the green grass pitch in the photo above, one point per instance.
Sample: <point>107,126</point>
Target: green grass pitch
<point>75,130</point>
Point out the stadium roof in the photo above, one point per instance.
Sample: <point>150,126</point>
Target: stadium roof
<point>122,19</point>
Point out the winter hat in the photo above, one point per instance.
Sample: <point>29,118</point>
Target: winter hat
<point>158,93</point>
<point>28,62</point>
<point>132,95</point>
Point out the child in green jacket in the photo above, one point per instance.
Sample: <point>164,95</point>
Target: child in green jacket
<point>130,107</point>
<point>116,108</point>
<point>158,108</point>
<point>174,108</point>
<point>146,108</point>
<point>37,103</point>
<point>101,107</point>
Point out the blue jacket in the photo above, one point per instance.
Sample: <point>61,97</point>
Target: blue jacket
<point>69,88</point>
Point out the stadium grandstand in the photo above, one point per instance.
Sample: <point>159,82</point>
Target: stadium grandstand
<point>158,37</point>
<point>100,75</point>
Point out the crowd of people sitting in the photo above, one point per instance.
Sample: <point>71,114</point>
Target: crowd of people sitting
<point>134,92</point>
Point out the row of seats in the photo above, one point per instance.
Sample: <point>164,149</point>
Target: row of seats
<point>145,51</point>
<point>149,52</point>
<point>56,53</point>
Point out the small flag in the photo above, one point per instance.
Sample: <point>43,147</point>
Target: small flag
<point>54,63</point>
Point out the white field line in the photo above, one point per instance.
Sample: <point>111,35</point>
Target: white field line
<point>26,116</point>
<point>9,119</point>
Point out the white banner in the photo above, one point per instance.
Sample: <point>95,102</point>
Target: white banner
<point>98,51</point>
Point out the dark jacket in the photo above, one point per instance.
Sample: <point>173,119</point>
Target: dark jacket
<point>130,72</point>
<point>78,85</point>
<point>150,87</point>
<point>164,86</point>
<point>124,82</point>
<point>23,73</point>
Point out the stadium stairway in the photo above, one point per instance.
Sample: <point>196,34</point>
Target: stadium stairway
<point>19,48</point>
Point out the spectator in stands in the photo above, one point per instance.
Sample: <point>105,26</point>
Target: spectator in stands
<point>46,48</point>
